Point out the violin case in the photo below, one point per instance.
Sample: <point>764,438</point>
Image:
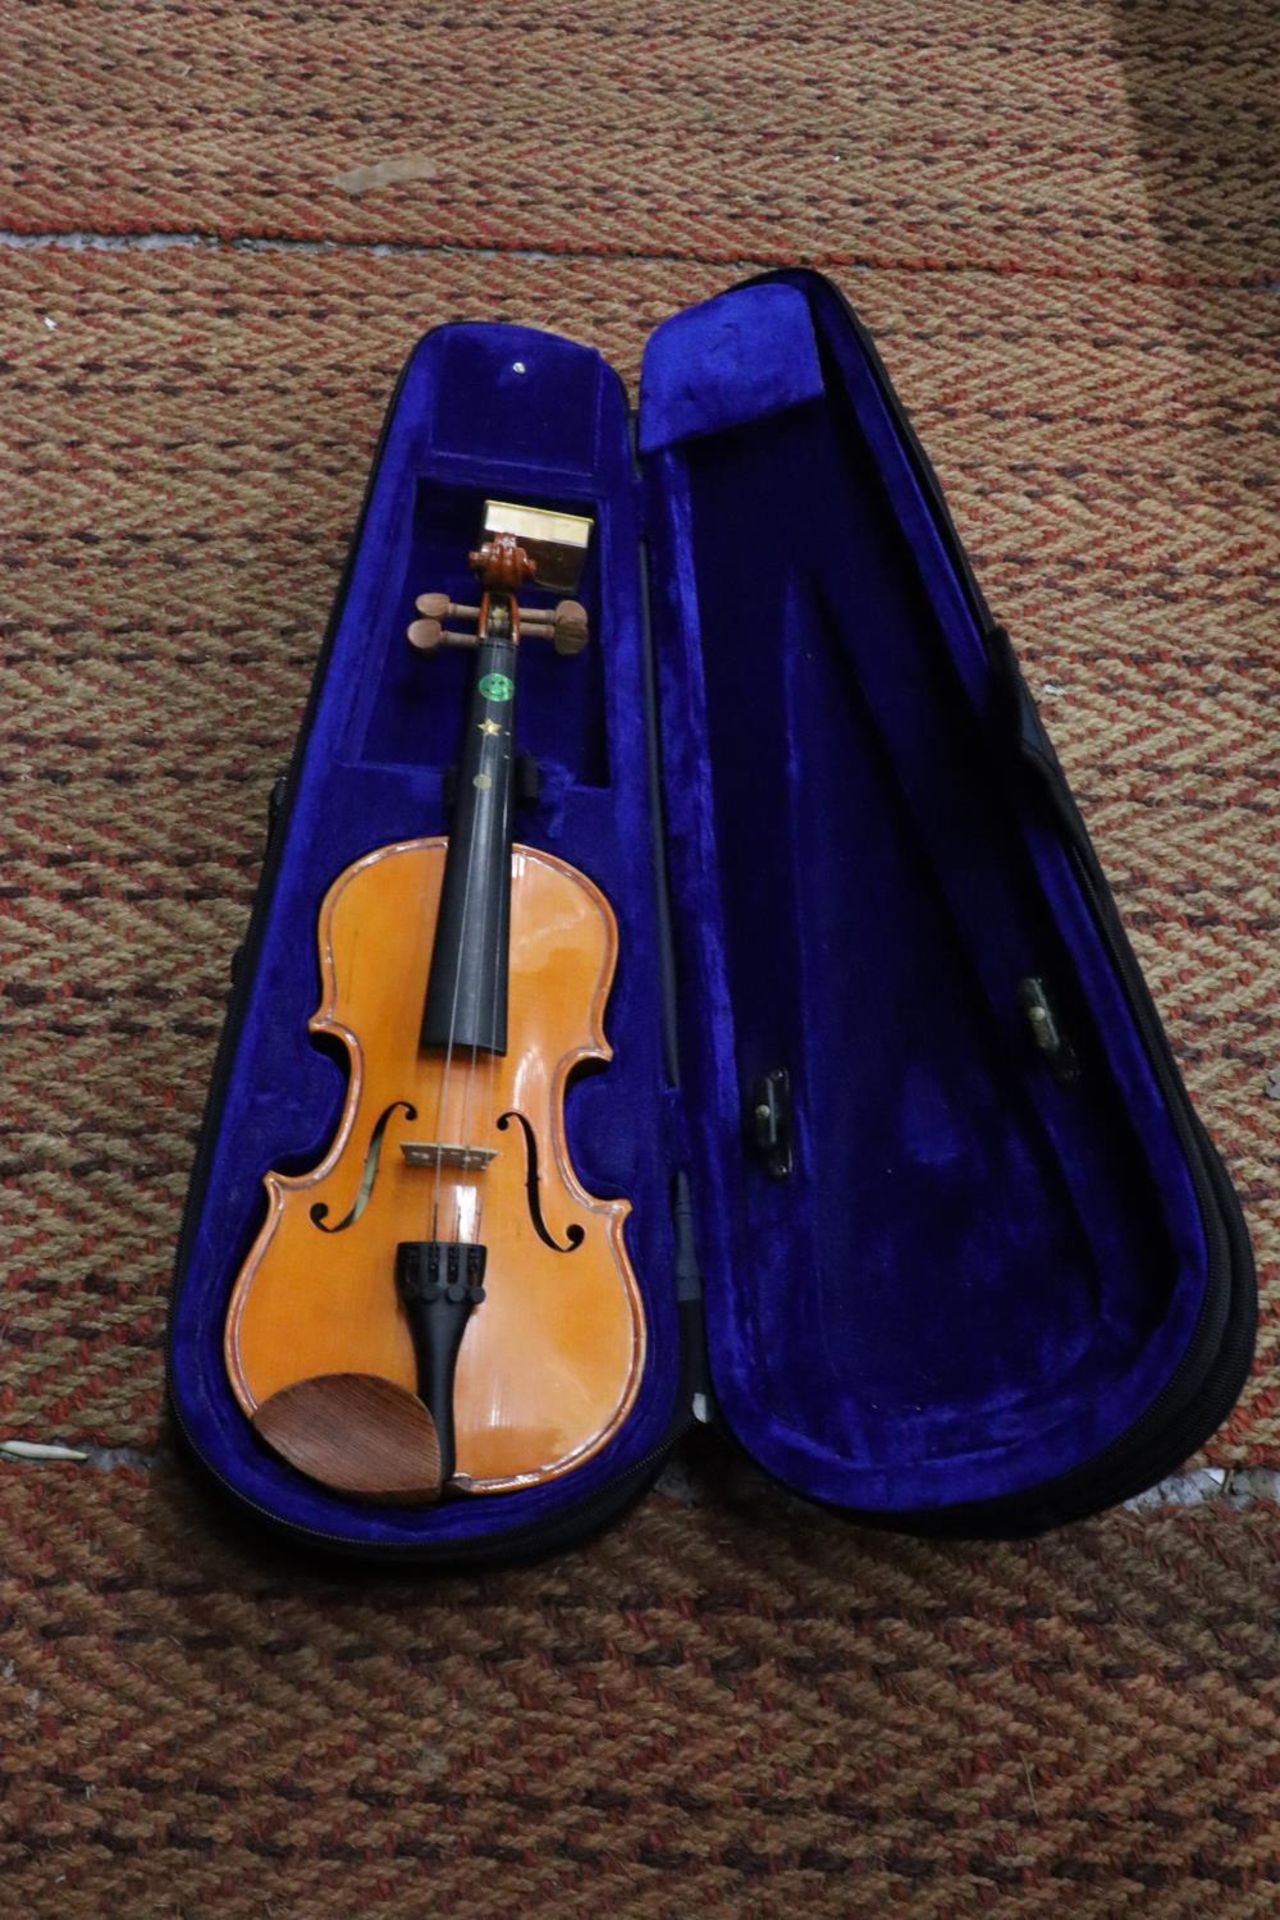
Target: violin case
<point>923,1219</point>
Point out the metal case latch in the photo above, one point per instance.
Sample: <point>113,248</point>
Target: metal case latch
<point>772,1121</point>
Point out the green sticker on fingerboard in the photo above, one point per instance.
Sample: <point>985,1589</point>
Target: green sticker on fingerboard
<point>496,686</point>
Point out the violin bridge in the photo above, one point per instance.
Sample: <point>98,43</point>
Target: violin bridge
<point>459,1159</point>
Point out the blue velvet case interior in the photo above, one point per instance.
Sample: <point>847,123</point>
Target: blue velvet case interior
<point>976,1276</point>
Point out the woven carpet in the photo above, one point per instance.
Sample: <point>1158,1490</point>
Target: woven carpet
<point>222,228</point>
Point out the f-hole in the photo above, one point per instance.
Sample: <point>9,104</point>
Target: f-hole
<point>320,1211</point>
<point>574,1234</point>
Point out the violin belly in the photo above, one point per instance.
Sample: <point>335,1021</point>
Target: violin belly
<point>467,1146</point>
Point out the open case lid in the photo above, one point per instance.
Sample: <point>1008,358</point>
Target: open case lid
<point>988,1261</point>
<point>992,1260</point>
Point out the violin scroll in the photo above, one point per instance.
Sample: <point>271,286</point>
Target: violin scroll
<point>523,546</point>
<point>501,565</point>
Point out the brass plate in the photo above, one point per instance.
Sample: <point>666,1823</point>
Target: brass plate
<point>555,542</point>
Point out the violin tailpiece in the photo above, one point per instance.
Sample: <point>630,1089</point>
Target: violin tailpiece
<point>439,1283</point>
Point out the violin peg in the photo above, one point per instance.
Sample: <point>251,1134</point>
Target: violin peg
<point>434,606</point>
<point>425,634</point>
<point>570,631</point>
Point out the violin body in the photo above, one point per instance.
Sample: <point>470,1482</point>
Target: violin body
<point>464,1145</point>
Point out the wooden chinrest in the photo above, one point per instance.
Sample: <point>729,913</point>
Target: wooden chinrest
<point>357,1433</point>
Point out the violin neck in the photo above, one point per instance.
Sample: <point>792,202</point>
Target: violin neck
<point>466,1002</point>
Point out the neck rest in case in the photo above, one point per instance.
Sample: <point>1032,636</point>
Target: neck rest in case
<point>921,1213</point>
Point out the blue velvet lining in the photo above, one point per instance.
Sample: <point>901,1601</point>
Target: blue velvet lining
<point>728,361</point>
<point>483,410</point>
<point>976,1277</point>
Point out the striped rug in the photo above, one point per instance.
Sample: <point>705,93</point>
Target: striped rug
<point>220,228</point>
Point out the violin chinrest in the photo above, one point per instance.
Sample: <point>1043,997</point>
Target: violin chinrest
<point>357,1433</point>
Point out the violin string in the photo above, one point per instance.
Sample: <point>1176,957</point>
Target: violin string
<point>448,1054</point>
<point>491,1065</point>
<point>464,1124</point>
<point>505,750</point>
<point>488,905</point>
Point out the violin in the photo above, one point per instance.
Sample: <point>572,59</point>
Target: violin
<point>440,1306</point>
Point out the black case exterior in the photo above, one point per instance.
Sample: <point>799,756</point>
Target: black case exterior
<point>1192,1405</point>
